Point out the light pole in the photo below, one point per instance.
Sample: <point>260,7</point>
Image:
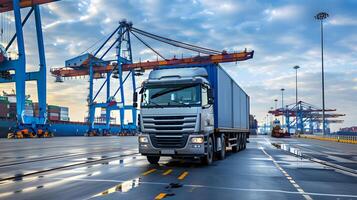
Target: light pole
<point>276,103</point>
<point>296,99</point>
<point>321,16</point>
<point>282,105</point>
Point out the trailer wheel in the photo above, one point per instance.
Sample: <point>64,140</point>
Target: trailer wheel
<point>235,149</point>
<point>244,145</point>
<point>222,152</point>
<point>153,159</point>
<point>208,159</point>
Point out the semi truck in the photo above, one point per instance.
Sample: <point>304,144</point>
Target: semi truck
<point>192,112</point>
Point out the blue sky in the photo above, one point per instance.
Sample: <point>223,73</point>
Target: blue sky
<point>282,33</point>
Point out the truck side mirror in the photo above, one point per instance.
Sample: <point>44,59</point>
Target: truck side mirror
<point>141,90</point>
<point>135,99</point>
<point>210,96</point>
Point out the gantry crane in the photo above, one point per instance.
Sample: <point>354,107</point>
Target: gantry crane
<point>305,118</point>
<point>26,125</point>
<point>97,67</point>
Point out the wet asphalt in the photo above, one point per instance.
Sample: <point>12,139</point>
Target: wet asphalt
<point>111,168</point>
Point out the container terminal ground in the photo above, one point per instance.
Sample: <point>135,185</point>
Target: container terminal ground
<point>111,168</point>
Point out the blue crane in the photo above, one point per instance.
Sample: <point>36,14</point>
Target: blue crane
<point>96,66</point>
<point>27,126</point>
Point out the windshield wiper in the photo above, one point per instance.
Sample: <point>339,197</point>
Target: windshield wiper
<point>168,91</point>
<point>156,104</point>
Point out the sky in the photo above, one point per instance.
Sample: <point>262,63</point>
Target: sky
<point>282,33</point>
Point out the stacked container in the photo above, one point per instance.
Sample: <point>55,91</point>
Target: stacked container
<point>28,108</point>
<point>53,112</point>
<point>36,112</point>
<point>12,110</point>
<point>64,114</point>
<point>12,103</point>
<point>4,107</point>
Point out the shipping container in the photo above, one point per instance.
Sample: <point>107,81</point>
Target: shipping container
<point>3,98</point>
<point>53,118</point>
<point>231,102</point>
<point>11,98</point>
<point>64,109</point>
<point>53,114</point>
<point>4,109</point>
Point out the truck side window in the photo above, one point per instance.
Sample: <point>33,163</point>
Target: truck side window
<point>204,96</point>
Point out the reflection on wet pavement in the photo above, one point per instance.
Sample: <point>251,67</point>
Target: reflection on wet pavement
<point>122,187</point>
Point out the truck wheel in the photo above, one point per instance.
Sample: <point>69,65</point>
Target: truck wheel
<point>208,159</point>
<point>222,152</point>
<point>235,149</point>
<point>244,142</point>
<point>153,159</point>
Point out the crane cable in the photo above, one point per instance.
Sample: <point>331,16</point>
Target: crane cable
<point>182,44</point>
<point>177,43</point>
<point>147,45</point>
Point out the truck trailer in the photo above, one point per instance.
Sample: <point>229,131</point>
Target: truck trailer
<point>192,112</point>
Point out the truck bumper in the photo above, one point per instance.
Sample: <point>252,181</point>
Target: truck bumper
<point>189,150</point>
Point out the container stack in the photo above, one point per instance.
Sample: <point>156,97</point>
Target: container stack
<point>28,108</point>
<point>53,112</point>
<point>12,103</point>
<point>64,114</point>
<point>8,109</point>
<point>36,112</point>
<point>12,110</point>
<point>4,107</point>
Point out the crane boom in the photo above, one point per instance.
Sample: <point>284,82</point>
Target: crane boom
<point>7,5</point>
<point>82,70</point>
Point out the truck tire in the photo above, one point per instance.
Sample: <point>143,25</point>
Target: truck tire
<point>244,141</point>
<point>153,159</point>
<point>208,159</point>
<point>235,149</point>
<point>222,153</point>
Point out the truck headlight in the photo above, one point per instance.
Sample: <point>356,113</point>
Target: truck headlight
<point>143,139</point>
<point>197,140</point>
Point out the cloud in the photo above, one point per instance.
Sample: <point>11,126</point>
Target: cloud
<point>283,13</point>
<point>343,21</point>
<point>283,34</point>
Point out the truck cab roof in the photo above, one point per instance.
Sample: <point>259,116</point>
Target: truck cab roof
<point>179,75</point>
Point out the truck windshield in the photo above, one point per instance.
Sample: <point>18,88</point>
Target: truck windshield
<point>171,95</point>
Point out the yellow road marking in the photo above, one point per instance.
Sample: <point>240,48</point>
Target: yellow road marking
<point>148,172</point>
<point>167,172</point>
<point>160,196</point>
<point>183,175</point>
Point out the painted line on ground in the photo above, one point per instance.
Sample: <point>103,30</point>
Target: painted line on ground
<point>148,172</point>
<point>183,175</point>
<point>287,176</point>
<point>216,187</point>
<point>167,172</point>
<point>68,166</point>
<point>336,167</point>
<point>160,196</point>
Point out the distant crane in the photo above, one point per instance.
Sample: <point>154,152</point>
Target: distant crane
<point>97,67</point>
<point>26,125</point>
<point>306,117</point>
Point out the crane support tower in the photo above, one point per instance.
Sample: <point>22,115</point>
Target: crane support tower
<point>306,117</point>
<point>95,66</point>
<point>14,70</point>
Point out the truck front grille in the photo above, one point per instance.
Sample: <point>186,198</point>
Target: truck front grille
<point>168,141</point>
<point>169,124</point>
